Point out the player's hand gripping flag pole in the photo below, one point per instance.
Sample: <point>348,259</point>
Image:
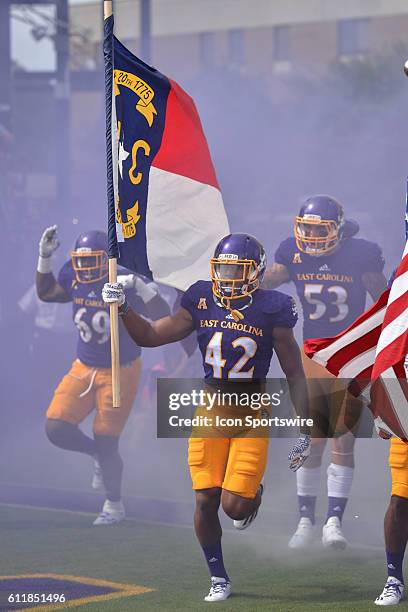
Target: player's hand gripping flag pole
<point>113,250</point>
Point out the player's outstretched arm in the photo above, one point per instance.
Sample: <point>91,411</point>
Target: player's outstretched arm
<point>288,353</point>
<point>48,289</point>
<point>171,328</point>
<point>275,276</point>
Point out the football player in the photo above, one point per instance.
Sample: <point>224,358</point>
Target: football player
<point>396,524</point>
<point>88,383</point>
<point>396,516</point>
<point>332,271</point>
<point>238,326</point>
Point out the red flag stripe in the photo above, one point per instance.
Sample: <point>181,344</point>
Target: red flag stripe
<point>335,363</point>
<point>394,352</point>
<point>361,326</point>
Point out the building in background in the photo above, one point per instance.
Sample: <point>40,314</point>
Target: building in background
<point>261,36</point>
<point>247,64</point>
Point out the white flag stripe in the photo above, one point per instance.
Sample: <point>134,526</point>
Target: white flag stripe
<point>358,364</point>
<point>399,287</point>
<point>185,220</point>
<point>392,331</point>
<point>396,396</point>
<point>363,328</point>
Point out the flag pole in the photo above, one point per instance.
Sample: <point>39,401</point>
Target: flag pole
<point>113,248</point>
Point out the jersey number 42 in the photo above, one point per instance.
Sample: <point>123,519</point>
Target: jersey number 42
<point>213,356</point>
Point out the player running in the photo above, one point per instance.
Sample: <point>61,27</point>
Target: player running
<point>228,471</point>
<point>88,384</point>
<point>332,271</point>
<point>396,525</point>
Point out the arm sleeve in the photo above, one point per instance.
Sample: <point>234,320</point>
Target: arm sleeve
<point>287,316</point>
<point>66,277</point>
<point>374,261</point>
<point>187,300</point>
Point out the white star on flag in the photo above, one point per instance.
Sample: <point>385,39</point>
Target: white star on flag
<point>122,156</point>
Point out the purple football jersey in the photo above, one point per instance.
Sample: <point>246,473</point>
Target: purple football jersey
<point>330,287</point>
<point>237,350</point>
<point>91,317</point>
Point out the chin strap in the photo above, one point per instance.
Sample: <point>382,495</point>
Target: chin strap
<point>236,314</point>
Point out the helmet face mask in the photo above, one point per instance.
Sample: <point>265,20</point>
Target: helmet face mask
<point>237,267</point>
<point>234,278</point>
<point>316,237</point>
<point>90,258</point>
<point>319,226</point>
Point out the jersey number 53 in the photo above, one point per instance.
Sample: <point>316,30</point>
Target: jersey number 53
<point>313,296</point>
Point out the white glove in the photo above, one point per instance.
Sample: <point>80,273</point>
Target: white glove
<point>113,293</point>
<point>299,452</point>
<point>145,290</point>
<point>382,429</point>
<point>49,242</point>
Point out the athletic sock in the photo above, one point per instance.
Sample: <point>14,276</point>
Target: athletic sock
<point>336,507</point>
<point>308,484</point>
<point>339,481</point>
<point>394,564</point>
<point>307,505</point>
<point>111,465</point>
<point>215,562</point>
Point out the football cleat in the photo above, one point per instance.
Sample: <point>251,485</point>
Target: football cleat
<point>112,513</point>
<point>392,593</point>
<point>246,522</point>
<point>220,589</point>
<point>332,536</point>
<point>303,535</point>
<point>97,479</point>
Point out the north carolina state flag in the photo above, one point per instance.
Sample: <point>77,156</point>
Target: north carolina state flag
<point>169,213</point>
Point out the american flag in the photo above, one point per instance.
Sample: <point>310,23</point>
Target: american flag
<point>372,351</point>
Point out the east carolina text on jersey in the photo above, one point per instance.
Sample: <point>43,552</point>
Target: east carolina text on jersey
<point>237,350</point>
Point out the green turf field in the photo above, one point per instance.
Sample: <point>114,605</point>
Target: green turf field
<point>264,574</point>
